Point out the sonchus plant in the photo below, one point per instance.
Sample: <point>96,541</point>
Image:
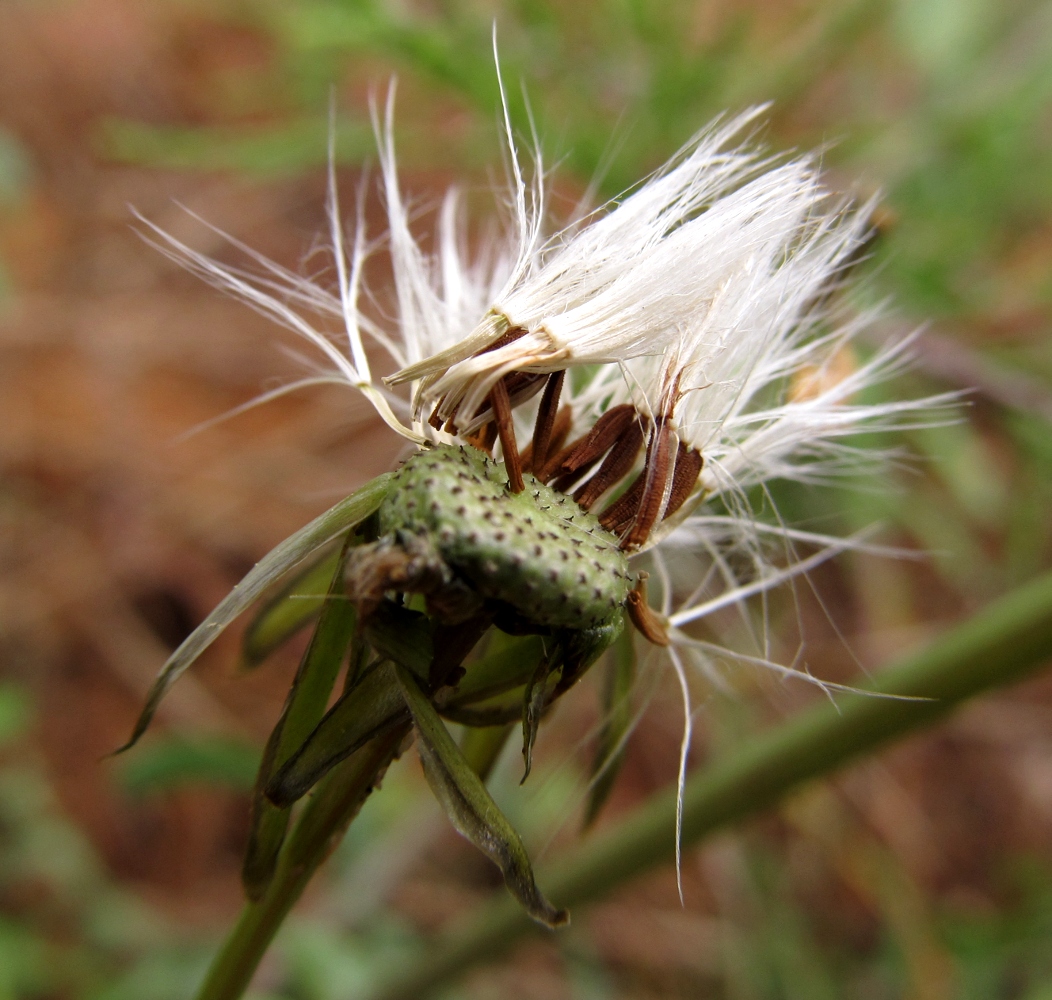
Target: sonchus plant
<point>580,405</point>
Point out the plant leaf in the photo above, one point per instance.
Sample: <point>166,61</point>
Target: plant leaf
<point>346,514</point>
<point>469,806</point>
<point>371,707</point>
<point>304,708</point>
<point>287,612</point>
<point>617,720</point>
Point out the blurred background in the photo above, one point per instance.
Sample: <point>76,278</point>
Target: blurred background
<point>924,873</point>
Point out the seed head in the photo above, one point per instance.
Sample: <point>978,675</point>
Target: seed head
<point>653,360</point>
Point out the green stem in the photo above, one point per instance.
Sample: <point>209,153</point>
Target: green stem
<point>317,832</point>
<point>1008,640</point>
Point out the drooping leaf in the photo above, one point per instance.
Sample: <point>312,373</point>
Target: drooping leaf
<point>371,707</point>
<point>571,654</point>
<point>469,806</point>
<point>346,514</point>
<point>286,613</point>
<point>304,708</point>
<point>617,720</point>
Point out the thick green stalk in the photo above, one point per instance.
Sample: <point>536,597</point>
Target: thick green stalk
<point>1008,640</point>
<point>317,832</point>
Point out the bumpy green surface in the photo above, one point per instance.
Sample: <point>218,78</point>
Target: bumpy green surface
<point>537,551</point>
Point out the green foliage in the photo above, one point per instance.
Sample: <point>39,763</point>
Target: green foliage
<point>75,933</point>
<point>291,609</point>
<point>172,762</point>
<point>15,176</point>
<point>14,713</point>
<point>15,170</point>
<point>262,151</point>
<point>304,706</point>
<point>325,962</point>
<point>1003,953</point>
<point>470,807</point>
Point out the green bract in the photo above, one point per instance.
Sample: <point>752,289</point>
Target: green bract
<point>536,551</point>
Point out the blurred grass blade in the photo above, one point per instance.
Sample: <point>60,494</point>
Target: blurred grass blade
<point>617,720</point>
<point>287,612</point>
<point>304,708</point>
<point>1011,638</point>
<point>370,708</point>
<point>482,746</point>
<point>469,806</point>
<point>282,149</point>
<point>346,514</point>
<point>174,762</point>
<point>15,713</point>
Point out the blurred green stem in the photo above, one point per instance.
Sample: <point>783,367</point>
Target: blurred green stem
<point>318,830</point>
<point>1005,642</point>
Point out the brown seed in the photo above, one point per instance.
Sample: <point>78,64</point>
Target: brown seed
<point>546,416</point>
<point>645,619</point>
<point>688,468</point>
<point>656,469</point>
<point>620,513</point>
<point>616,465</point>
<point>608,428</point>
